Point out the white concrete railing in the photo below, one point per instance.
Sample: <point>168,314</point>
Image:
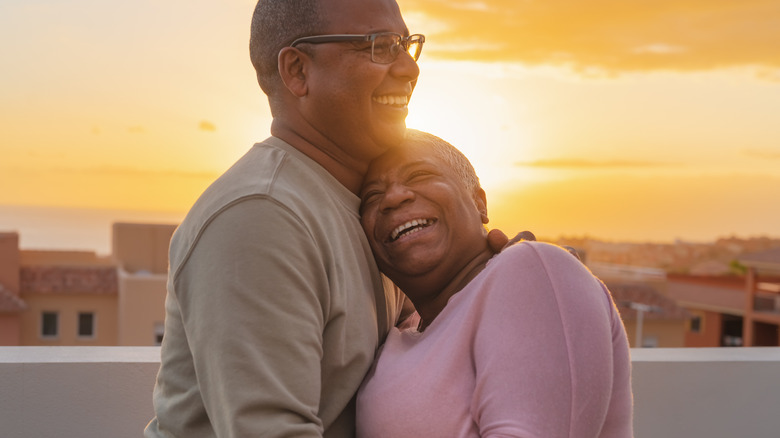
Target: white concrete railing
<point>706,392</point>
<point>105,392</point>
<point>70,392</point>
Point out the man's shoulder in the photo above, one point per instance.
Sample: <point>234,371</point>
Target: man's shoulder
<point>272,170</point>
<point>272,173</point>
<point>252,176</point>
<point>262,170</point>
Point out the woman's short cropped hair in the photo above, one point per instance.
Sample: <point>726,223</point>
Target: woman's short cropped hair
<point>448,153</point>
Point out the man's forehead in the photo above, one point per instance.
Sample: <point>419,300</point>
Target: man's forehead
<point>361,16</point>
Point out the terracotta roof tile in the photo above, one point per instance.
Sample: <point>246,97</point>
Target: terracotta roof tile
<point>69,279</point>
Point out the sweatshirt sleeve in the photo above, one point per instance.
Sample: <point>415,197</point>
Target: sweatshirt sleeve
<point>253,299</point>
<point>548,357</point>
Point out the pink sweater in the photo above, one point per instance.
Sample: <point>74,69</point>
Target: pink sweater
<point>533,347</point>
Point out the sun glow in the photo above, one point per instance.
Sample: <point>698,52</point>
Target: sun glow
<point>578,118</point>
<point>456,103</point>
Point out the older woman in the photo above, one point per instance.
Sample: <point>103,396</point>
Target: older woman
<point>526,343</point>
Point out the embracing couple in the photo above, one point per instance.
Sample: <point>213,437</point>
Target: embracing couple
<point>278,320</point>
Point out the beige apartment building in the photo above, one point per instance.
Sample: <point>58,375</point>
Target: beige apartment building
<point>79,298</point>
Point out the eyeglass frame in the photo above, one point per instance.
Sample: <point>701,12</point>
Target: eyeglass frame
<point>403,41</point>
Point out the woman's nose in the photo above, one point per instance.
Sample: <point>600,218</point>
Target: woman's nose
<point>395,196</point>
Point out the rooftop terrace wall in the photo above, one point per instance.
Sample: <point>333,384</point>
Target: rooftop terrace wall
<point>106,392</point>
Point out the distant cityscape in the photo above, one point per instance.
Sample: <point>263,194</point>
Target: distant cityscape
<point>681,294</point>
<point>681,257</point>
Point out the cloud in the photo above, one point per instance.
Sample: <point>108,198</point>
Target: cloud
<point>136,129</point>
<point>130,172</point>
<point>609,35</point>
<point>205,125</point>
<point>769,74</point>
<point>575,163</point>
<point>764,154</point>
<point>660,49</point>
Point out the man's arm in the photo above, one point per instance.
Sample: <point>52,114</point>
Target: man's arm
<point>497,241</point>
<point>251,301</point>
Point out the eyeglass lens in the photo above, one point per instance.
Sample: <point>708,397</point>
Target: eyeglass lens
<point>414,47</point>
<point>386,47</point>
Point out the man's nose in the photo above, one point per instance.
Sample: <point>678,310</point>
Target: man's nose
<point>405,67</point>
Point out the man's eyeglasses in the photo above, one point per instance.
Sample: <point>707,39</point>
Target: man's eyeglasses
<point>385,46</point>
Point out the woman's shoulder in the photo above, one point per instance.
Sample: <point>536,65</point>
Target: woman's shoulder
<point>537,251</point>
<point>540,262</point>
<point>529,269</point>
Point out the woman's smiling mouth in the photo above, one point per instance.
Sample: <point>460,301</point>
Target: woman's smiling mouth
<point>410,227</point>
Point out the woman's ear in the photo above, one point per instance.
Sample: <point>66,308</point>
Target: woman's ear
<point>480,199</point>
<point>292,69</point>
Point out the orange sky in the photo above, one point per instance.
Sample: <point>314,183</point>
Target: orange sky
<point>621,120</point>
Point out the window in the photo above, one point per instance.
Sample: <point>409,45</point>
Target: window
<point>159,329</point>
<point>86,325</point>
<point>50,322</point>
<point>696,324</point>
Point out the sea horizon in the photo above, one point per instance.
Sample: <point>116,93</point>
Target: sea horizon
<point>73,228</point>
<point>89,229</point>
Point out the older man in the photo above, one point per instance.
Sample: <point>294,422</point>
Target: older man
<point>275,306</point>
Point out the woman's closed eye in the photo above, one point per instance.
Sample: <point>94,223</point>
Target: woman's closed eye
<point>369,197</point>
<point>419,174</point>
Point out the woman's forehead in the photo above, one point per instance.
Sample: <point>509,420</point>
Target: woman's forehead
<point>400,159</point>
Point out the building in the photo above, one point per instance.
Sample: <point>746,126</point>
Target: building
<point>11,305</point>
<point>684,310</point>
<point>761,321</point>
<point>651,319</point>
<point>716,305</point>
<point>140,254</point>
<point>78,298</point>
<point>733,311</point>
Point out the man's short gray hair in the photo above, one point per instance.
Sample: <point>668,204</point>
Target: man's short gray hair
<point>448,153</point>
<point>275,24</point>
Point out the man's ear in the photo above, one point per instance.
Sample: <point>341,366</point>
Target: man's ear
<point>480,199</point>
<point>292,69</point>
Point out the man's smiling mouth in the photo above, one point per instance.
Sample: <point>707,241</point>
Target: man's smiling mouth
<point>399,101</point>
<point>410,227</point>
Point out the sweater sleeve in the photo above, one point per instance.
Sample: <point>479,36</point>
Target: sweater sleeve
<point>546,350</point>
<point>253,298</point>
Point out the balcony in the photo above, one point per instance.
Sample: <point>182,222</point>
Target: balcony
<point>105,392</point>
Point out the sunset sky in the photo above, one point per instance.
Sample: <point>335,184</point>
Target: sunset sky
<point>621,120</point>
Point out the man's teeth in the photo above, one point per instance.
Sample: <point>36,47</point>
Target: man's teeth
<point>391,100</point>
<point>408,228</point>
